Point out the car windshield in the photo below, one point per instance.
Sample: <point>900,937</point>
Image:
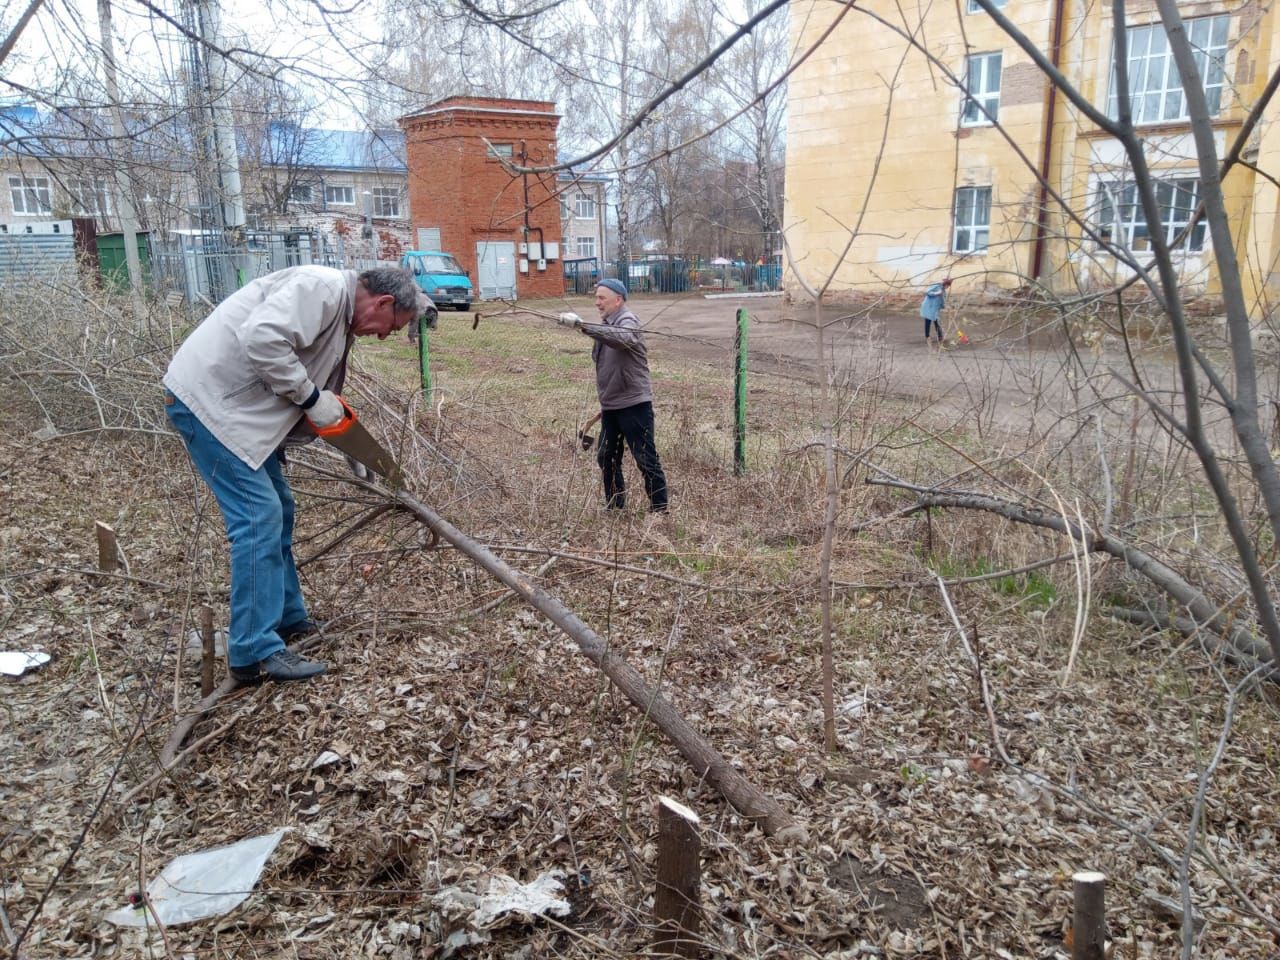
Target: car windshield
<point>436,263</point>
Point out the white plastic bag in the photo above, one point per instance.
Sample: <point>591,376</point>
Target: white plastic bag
<point>15,663</point>
<point>205,884</point>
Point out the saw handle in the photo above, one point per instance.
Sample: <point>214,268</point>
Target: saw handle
<point>339,428</point>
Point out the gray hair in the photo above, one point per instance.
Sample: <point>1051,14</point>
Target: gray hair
<point>396,281</point>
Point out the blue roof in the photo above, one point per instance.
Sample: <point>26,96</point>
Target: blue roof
<point>33,132</point>
<point>336,149</point>
<point>586,176</point>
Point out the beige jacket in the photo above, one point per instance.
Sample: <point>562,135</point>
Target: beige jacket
<point>245,369</point>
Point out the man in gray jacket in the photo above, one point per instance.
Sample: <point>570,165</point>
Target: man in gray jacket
<point>626,397</point>
<point>272,353</point>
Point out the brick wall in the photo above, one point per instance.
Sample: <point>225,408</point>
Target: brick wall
<point>456,186</point>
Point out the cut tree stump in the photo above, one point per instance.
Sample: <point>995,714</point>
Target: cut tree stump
<point>677,914</point>
<point>1089,917</point>
<point>206,651</point>
<point>108,548</point>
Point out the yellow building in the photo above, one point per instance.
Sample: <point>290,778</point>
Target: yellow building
<point>905,166</point>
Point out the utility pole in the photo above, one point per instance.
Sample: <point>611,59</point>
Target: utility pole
<point>217,162</point>
<point>124,186</point>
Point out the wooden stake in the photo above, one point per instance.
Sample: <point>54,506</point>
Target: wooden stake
<point>676,911</point>
<point>1089,919</point>
<point>108,549</point>
<point>206,651</point>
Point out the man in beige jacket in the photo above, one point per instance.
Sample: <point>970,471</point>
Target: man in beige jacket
<point>272,353</point>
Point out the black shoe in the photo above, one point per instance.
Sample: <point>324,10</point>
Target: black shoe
<point>293,632</point>
<point>282,666</point>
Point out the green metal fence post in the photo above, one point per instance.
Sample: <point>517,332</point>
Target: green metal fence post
<point>424,359</point>
<point>740,398</point>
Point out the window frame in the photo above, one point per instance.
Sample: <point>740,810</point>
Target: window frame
<point>499,151</point>
<point>385,202</point>
<point>78,186</point>
<point>350,192</point>
<point>1153,104</point>
<point>588,240</point>
<point>971,6</point>
<point>1117,211</point>
<point>38,189</point>
<point>580,201</point>
<point>973,228</point>
<point>989,97</point>
<point>296,193</point>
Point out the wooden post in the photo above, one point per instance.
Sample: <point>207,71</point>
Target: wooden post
<point>206,651</point>
<point>676,911</point>
<point>1089,917</point>
<point>108,549</point>
<point>424,359</point>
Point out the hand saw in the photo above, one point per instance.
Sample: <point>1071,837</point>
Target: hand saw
<point>351,437</point>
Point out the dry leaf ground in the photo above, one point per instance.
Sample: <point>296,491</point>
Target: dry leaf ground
<point>462,736</point>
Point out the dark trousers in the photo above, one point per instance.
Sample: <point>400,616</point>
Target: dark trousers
<point>634,425</point>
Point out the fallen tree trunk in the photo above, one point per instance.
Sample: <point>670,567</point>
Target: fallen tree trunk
<point>1192,631</point>
<point>1204,611</point>
<point>705,759</point>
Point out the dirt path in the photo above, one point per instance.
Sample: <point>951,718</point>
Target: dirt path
<point>1002,369</point>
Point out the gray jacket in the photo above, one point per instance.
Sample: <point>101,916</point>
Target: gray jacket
<point>622,362</point>
<point>264,350</point>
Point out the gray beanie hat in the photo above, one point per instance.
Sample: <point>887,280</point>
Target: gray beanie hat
<point>617,286</point>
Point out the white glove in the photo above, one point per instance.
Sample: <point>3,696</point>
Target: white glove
<point>327,410</point>
<point>569,320</point>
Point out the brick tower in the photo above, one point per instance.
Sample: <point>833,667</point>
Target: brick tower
<point>491,220</point>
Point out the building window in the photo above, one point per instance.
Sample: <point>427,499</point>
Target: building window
<point>974,8</point>
<point>340,196</point>
<point>89,196</point>
<point>500,151</point>
<point>973,219</point>
<point>153,192</point>
<point>584,207</point>
<point>31,197</point>
<point>386,202</point>
<point>586,247</point>
<point>300,193</point>
<point>982,89</point>
<point>1119,214</point>
<point>1155,89</point>
<point>564,208</point>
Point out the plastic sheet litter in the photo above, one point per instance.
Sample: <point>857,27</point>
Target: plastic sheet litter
<point>506,901</point>
<point>199,885</point>
<point>195,642</point>
<point>17,662</point>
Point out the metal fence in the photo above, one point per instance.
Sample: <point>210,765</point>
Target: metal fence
<point>580,276</point>
<point>206,266</point>
<point>35,256</point>
<point>680,274</point>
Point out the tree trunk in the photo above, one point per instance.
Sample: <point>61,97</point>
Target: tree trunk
<point>1204,610</point>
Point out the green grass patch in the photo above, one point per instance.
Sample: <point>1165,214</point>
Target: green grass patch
<point>1034,587</point>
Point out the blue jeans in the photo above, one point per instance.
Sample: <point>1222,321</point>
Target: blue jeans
<point>257,509</point>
